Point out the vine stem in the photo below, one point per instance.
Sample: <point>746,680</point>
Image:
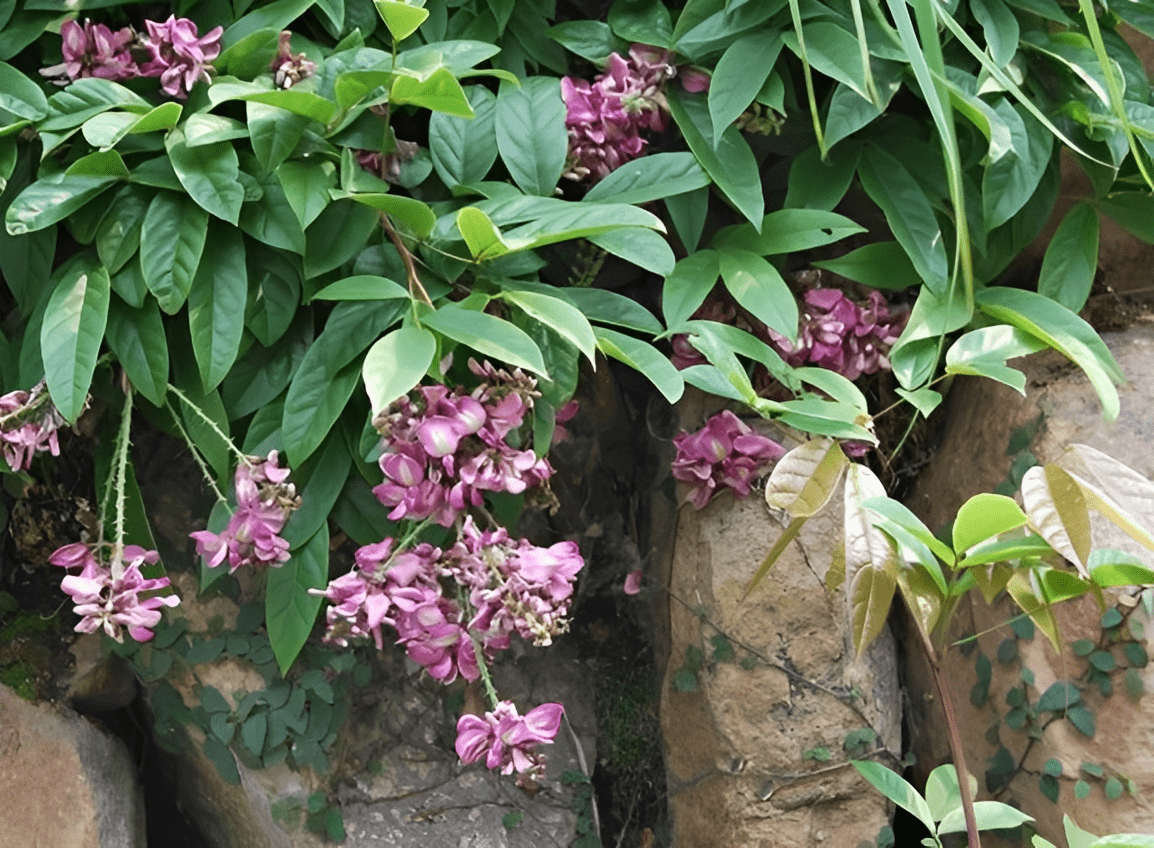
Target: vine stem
<point>955,738</point>
<point>416,289</point>
<point>120,474</point>
<point>195,453</point>
<point>200,413</point>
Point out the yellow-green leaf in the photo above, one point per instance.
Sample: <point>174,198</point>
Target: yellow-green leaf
<point>804,479</point>
<point>1058,512</point>
<point>871,561</point>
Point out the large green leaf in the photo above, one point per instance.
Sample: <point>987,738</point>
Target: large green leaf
<point>210,173</point>
<point>984,516</point>
<point>760,288</point>
<point>52,199</point>
<point>1058,512</point>
<point>531,135</point>
<point>440,92</point>
<point>893,786</point>
<point>686,288</point>
<point>488,335</point>
<point>216,306</point>
<point>289,608</point>
<point>643,247</point>
<point>330,469</point>
<point>137,338</point>
<point>990,815</point>
<point>871,562</point>
<point>983,353</point>
<point>788,231</point>
<point>306,187</point>
<point>1071,259</point>
<point>608,307</point>
<point>464,149</point>
<point>109,128</point>
<point>729,162</point>
<point>561,317</point>
<point>740,73</point>
<point>1010,181</point>
<point>882,265</point>
<point>803,481</point>
<point>653,177</point>
<point>171,242</point>
<point>416,214</point>
<point>21,96</point>
<point>118,236</point>
<point>1062,330</point>
<point>86,97</point>
<point>298,101</point>
<point>275,133</point>
<point>642,357</point>
<point>396,363</point>
<point>72,331</point>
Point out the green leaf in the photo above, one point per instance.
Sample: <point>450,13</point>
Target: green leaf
<point>440,92</point>
<point>608,307</point>
<point>686,288</point>
<point>488,335</point>
<point>579,220</point>
<point>110,128</point>
<point>70,336</point>
<point>481,235</point>
<point>210,174</point>
<point>417,215</point>
<point>643,247</point>
<point>1071,259</point>
<point>990,815</point>
<point>396,363</point>
<point>592,40</point>
<point>728,161</point>
<point>788,231</point>
<point>1008,182</point>
<point>984,352</point>
<point>1109,567</point>
<point>909,214</point>
<point>338,234</point>
<point>803,481</point>
<point>758,286</point>
<point>1058,512</point>
<point>642,357</point>
<point>740,73</point>
<point>319,494</point>
<point>21,96</point>
<point>984,516</point>
<point>882,265</point>
<point>531,135</point>
<point>815,183</point>
<point>289,608</point>
<point>649,178</point>
<point>1062,330</point>
<point>103,163</point>
<point>561,317</point>
<point>275,133</point>
<point>84,98</point>
<point>172,239</point>
<point>295,100</point>
<point>942,792</point>
<point>216,306</point>
<point>895,788</point>
<point>401,18</point>
<point>688,211</point>
<point>464,150</point>
<point>118,236</point>
<point>1083,719</point>
<point>870,559</point>
<point>137,338</point>
<point>1000,28</point>
<point>362,287</point>
<point>52,199</point>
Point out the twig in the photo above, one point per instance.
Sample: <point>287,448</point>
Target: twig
<point>584,770</point>
<point>416,289</point>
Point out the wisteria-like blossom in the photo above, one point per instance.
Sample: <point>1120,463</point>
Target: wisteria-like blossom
<point>725,452</point>
<point>108,596</point>
<point>837,334</point>
<point>28,425</point>
<point>388,166</point>
<point>264,501</point>
<point>605,118</point>
<point>93,50</point>
<point>507,741</point>
<point>443,449</point>
<point>288,68</point>
<point>178,56</point>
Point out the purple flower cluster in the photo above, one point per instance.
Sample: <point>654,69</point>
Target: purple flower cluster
<point>605,118</point>
<point>725,452</point>
<point>28,425</point>
<point>506,740</point>
<point>837,334</point>
<point>173,52</point>
<point>264,501</point>
<point>443,449</point>
<point>108,596</point>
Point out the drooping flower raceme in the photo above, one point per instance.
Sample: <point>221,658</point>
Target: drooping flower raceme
<point>725,452</point>
<point>605,118</point>
<point>108,596</point>
<point>507,741</point>
<point>93,50</point>
<point>443,448</point>
<point>28,425</point>
<point>179,57</point>
<point>264,501</point>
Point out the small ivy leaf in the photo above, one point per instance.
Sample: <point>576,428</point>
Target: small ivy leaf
<point>685,680</point>
<point>1081,717</point>
<point>805,478</point>
<point>1058,512</point>
<point>1081,789</point>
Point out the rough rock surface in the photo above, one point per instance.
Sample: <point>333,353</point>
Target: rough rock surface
<point>736,747</point>
<point>989,427</point>
<point>64,781</point>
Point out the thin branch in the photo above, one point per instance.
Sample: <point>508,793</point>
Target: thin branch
<point>416,289</point>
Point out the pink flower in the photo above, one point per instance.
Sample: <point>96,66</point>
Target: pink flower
<point>433,636</point>
<point>108,597</point>
<point>725,452</point>
<point>264,501</point>
<point>289,69</point>
<point>28,425</point>
<point>179,57</point>
<point>93,51</point>
<point>507,741</point>
<point>633,582</point>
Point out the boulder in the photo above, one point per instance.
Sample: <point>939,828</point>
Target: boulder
<point>64,780</point>
<point>991,435</point>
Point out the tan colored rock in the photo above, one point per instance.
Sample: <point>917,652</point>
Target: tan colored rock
<point>64,781</point>
<point>981,417</point>
<point>736,747</point>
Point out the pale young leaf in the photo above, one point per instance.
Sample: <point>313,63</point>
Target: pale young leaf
<point>871,563</point>
<point>804,479</point>
<point>1038,610</point>
<point>1058,512</point>
<point>787,536</point>
<point>1119,492</point>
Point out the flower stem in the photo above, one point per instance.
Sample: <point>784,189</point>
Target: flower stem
<point>195,453</point>
<point>212,425</point>
<point>119,478</point>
